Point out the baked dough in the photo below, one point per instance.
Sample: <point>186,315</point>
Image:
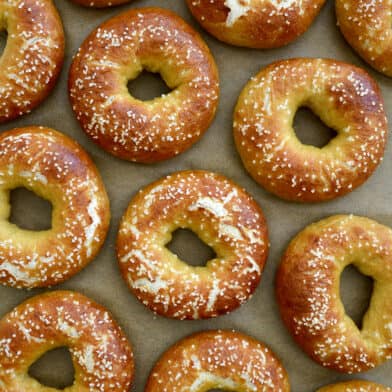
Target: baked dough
<point>223,215</point>
<point>308,295</point>
<point>57,169</point>
<point>155,40</point>
<point>345,98</point>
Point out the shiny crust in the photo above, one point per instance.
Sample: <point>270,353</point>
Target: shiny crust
<point>117,51</point>
<point>223,215</point>
<point>345,98</point>
<point>57,169</point>
<point>307,289</point>
<point>355,386</point>
<point>101,354</point>
<point>255,23</point>
<point>100,3</point>
<point>218,359</point>
<point>366,25</point>
<point>33,56</point>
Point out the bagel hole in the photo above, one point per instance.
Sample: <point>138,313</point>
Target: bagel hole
<point>29,211</point>
<point>355,292</point>
<point>147,86</point>
<point>310,130</point>
<point>54,369</point>
<point>190,248</point>
<point>3,40</point>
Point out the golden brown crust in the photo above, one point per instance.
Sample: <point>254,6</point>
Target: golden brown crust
<point>100,3</point>
<point>223,215</point>
<point>366,25</point>
<point>308,292</point>
<point>355,386</point>
<point>116,52</point>
<point>57,169</point>
<point>345,98</point>
<point>218,359</point>
<point>101,354</point>
<point>33,56</point>
<point>256,23</point>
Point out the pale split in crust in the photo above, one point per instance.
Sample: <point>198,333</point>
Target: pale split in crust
<point>355,386</point>
<point>223,215</point>
<point>101,354</point>
<point>227,360</point>
<point>156,40</point>
<point>33,56</point>
<point>366,25</point>
<point>345,98</point>
<point>308,295</point>
<point>256,23</point>
<point>57,169</point>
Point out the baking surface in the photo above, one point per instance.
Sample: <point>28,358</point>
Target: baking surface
<point>151,335</point>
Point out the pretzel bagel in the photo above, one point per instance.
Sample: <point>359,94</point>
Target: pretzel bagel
<point>101,354</point>
<point>345,98</point>
<point>256,23</point>
<point>366,25</point>
<point>355,386</point>
<point>308,292</point>
<point>57,169</point>
<point>223,215</point>
<point>218,359</point>
<point>33,56</point>
<point>117,51</point>
<point>100,3</point>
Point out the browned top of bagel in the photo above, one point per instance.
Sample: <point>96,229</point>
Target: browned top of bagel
<point>226,360</point>
<point>366,25</point>
<point>255,23</point>
<point>345,98</point>
<point>223,215</point>
<point>101,354</point>
<point>117,51</point>
<point>308,294</point>
<point>100,3</point>
<point>56,168</point>
<point>355,386</point>
<point>33,56</point>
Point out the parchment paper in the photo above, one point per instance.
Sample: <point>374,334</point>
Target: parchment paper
<point>149,334</point>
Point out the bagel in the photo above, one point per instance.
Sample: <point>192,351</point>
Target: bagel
<point>258,24</point>
<point>345,98</point>
<point>101,354</point>
<point>355,386</point>
<point>309,299</point>
<point>156,40</point>
<point>57,169</point>
<point>223,215</point>
<point>218,359</point>
<point>100,3</point>
<point>33,56</point>
<point>366,26</point>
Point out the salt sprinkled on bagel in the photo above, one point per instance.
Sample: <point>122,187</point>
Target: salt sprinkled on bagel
<point>33,56</point>
<point>226,360</point>
<point>156,40</point>
<point>101,354</point>
<point>223,215</point>
<point>366,25</point>
<point>100,3</point>
<point>57,169</point>
<point>307,289</point>
<point>256,23</point>
<point>345,98</point>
